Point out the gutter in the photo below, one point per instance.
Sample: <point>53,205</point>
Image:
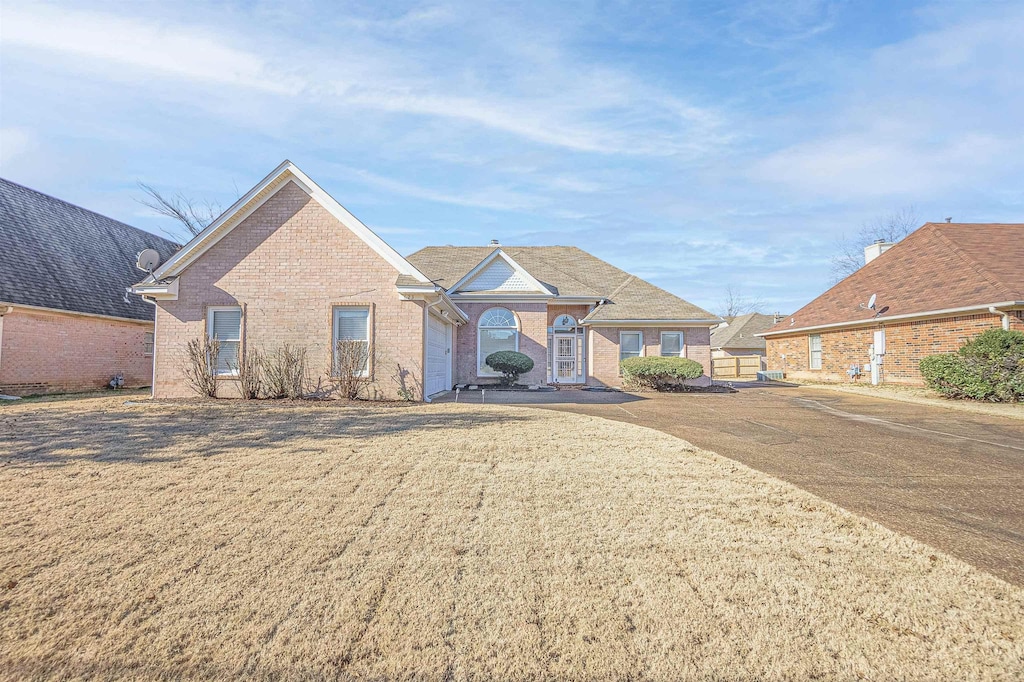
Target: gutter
<point>1002,313</point>
<point>985,307</point>
<point>702,322</point>
<point>6,308</point>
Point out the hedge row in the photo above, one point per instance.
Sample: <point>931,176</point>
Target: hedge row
<point>658,373</point>
<point>989,367</point>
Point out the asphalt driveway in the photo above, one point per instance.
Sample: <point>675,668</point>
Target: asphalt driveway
<point>952,479</point>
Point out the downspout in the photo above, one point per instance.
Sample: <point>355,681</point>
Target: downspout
<point>1005,315</point>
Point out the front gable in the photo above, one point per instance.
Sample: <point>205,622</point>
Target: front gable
<point>499,274</point>
<point>285,177</point>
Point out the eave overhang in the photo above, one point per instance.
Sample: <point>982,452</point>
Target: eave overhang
<point>1005,306</point>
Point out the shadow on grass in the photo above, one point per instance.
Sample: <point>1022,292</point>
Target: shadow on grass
<point>161,433</point>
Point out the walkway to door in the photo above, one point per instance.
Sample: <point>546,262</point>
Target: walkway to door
<point>952,479</point>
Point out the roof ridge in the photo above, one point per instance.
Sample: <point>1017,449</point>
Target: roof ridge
<point>88,210</point>
<point>971,262</point>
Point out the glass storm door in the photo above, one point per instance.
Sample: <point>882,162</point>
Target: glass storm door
<point>565,359</point>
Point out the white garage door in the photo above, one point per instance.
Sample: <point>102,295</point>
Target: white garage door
<point>438,356</point>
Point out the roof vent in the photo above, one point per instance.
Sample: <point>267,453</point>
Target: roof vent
<point>495,242</point>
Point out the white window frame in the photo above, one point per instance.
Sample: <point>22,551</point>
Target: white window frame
<point>639,335</point>
<point>148,343</point>
<point>210,311</point>
<point>811,351</point>
<point>480,371</point>
<point>334,335</point>
<point>682,345</point>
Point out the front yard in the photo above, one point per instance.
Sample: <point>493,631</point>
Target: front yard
<point>450,542</point>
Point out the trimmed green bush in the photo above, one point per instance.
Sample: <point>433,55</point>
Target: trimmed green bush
<point>988,367</point>
<point>658,373</point>
<point>511,365</point>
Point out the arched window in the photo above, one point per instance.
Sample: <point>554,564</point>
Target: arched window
<point>497,330</point>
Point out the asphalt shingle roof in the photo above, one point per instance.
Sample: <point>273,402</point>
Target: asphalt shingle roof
<point>57,255</point>
<point>741,332</point>
<point>937,267</point>
<point>568,271</point>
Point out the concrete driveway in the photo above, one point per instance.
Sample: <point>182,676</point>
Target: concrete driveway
<point>949,478</point>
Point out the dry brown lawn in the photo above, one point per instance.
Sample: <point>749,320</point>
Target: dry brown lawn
<point>451,542</point>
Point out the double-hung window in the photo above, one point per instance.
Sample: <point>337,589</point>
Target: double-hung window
<point>814,347</point>
<point>630,344</point>
<point>224,325</point>
<point>147,344</point>
<point>671,344</point>
<point>352,340</point>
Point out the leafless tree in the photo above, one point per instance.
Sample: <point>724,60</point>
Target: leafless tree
<point>736,303</point>
<point>193,215</point>
<point>891,227</point>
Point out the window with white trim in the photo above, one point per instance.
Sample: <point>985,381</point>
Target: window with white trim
<point>147,343</point>
<point>814,346</point>
<point>497,330</point>
<point>671,344</point>
<point>630,345</point>
<point>352,324</point>
<point>224,325</point>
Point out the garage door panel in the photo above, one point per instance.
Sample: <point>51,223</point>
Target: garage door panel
<point>438,356</point>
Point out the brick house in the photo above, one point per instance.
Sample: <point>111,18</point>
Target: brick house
<point>66,322</point>
<point>741,336</point>
<point>942,285</point>
<point>287,264</point>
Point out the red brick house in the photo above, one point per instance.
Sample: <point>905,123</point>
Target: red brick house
<point>287,264</point>
<point>66,321</point>
<point>942,285</point>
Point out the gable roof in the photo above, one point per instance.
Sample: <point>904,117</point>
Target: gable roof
<point>267,187</point>
<point>740,333</point>
<point>60,256</point>
<point>569,272</point>
<point>940,266</point>
<point>499,272</point>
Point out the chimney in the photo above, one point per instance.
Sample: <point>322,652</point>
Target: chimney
<point>873,251</point>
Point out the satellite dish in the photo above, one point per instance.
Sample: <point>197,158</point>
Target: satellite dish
<point>871,301</point>
<point>147,260</point>
<point>883,311</point>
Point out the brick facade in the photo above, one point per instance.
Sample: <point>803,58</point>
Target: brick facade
<point>905,344</point>
<point>604,348</point>
<point>288,264</point>
<point>53,352</point>
<point>533,340</point>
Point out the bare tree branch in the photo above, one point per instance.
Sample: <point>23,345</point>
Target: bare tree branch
<point>193,215</point>
<point>891,227</point>
<point>736,304</point>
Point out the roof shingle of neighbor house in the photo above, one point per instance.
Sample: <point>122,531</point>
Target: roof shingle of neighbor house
<point>57,255</point>
<point>568,271</point>
<point>940,266</point>
<point>741,332</point>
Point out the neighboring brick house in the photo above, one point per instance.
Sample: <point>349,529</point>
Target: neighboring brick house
<point>287,264</point>
<point>741,336</point>
<point>66,321</point>
<point>942,285</point>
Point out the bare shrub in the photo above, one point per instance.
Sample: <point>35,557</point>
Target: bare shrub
<point>353,361</point>
<point>251,370</point>
<point>199,364</point>
<point>284,372</point>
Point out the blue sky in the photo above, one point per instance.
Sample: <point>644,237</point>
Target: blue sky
<point>696,144</point>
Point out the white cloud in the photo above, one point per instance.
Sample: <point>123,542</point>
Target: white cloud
<point>139,46</point>
<point>15,142</point>
<point>559,104</point>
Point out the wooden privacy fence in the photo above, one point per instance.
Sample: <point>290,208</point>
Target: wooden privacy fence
<point>736,367</point>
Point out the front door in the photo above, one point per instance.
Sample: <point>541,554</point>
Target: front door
<point>565,359</point>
